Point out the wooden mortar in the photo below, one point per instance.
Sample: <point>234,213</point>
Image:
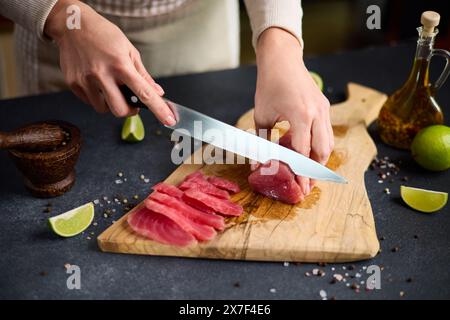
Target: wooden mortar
<point>51,173</point>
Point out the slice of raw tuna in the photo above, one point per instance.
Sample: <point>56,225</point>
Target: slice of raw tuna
<point>198,216</point>
<point>198,205</point>
<point>195,176</point>
<point>157,227</point>
<point>168,189</point>
<point>282,184</point>
<point>224,184</point>
<point>199,231</point>
<point>205,187</point>
<point>221,206</point>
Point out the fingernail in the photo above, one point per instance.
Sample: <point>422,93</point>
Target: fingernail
<point>170,121</point>
<point>160,89</point>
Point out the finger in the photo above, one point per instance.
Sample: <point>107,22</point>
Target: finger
<point>115,99</point>
<point>95,96</point>
<point>320,142</point>
<point>301,142</point>
<point>147,77</point>
<point>79,92</point>
<point>148,96</point>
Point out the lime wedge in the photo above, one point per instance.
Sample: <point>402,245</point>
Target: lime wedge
<point>423,200</point>
<point>317,79</point>
<point>73,222</point>
<point>133,129</point>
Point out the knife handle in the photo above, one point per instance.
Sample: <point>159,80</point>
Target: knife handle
<point>132,99</point>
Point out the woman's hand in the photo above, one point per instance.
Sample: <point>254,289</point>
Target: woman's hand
<point>286,91</point>
<point>97,58</point>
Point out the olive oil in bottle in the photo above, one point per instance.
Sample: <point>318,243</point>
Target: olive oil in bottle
<point>413,106</point>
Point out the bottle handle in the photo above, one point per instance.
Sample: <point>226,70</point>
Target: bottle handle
<point>440,81</point>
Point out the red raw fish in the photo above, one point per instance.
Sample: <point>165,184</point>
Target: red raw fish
<point>168,189</point>
<point>159,228</point>
<point>198,216</point>
<point>221,206</point>
<point>199,231</point>
<point>282,185</point>
<point>224,184</point>
<point>205,187</point>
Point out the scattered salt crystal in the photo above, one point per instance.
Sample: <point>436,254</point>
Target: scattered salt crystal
<point>380,181</point>
<point>347,284</point>
<point>96,201</point>
<point>338,277</point>
<point>118,181</point>
<point>273,290</point>
<point>358,275</point>
<point>88,238</point>
<point>344,267</point>
<point>125,179</point>
<point>364,268</point>
<point>142,177</point>
<point>146,180</point>
<point>95,223</point>
<point>286,264</point>
<point>109,201</point>
<point>105,215</point>
<point>362,282</point>
<point>346,274</point>
<point>315,272</point>
<point>333,268</point>
<point>323,294</point>
<point>105,198</point>
<point>113,210</point>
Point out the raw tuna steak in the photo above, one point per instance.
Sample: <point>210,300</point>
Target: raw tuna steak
<point>168,189</point>
<point>199,231</point>
<point>159,228</point>
<point>205,187</point>
<point>221,206</point>
<point>198,216</point>
<point>224,184</point>
<point>281,185</point>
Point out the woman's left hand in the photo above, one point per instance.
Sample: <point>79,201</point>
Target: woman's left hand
<point>285,91</point>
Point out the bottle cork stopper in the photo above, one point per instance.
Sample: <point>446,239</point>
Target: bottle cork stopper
<point>429,20</point>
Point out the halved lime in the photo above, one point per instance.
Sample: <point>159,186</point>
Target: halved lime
<point>423,200</point>
<point>133,129</point>
<point>73,222</point>
<point>317,79</point>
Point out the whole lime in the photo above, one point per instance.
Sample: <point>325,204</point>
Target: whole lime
<point>431,148</point>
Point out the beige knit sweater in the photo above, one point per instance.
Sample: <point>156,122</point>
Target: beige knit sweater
<point>32,14</point>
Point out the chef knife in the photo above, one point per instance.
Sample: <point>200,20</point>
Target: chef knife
<point>238,141</point>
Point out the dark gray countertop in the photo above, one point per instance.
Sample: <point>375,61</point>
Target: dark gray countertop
<point>32,258</point>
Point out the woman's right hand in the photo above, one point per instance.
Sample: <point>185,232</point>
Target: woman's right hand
<point>97,58</point>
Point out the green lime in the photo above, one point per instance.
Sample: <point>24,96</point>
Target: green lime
<point>423,200</point>
<point>133,129</point>
<point>317,79</point>
<point>431,148</point>
<point>73,222</point>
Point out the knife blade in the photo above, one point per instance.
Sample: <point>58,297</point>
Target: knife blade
<point>239,141</point>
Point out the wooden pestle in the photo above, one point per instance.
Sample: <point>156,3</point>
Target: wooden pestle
<point>34,138</point>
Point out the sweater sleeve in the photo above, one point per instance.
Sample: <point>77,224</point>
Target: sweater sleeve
<point>285,14</point>
<point>30,14</point>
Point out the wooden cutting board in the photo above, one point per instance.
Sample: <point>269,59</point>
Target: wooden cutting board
<point>333,224</point>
